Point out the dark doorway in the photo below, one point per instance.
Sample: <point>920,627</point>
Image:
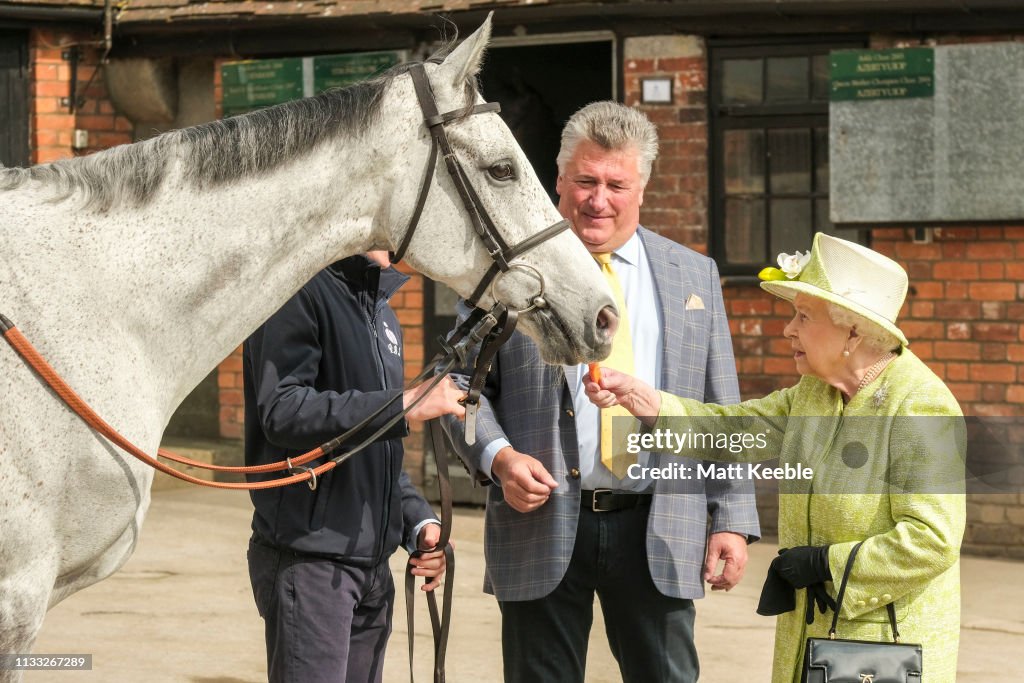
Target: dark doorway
<point>539,86</point>
<point>14,98</point>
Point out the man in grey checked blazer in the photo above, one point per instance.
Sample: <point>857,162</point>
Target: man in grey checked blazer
<point>552,542</point>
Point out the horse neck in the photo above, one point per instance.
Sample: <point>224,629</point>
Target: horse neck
<point>182,281</point>
<point>253,245</point>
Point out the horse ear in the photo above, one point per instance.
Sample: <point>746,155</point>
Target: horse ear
<point>465,60</point>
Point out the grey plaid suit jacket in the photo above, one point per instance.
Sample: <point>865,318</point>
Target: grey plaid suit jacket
<point>529,403</point>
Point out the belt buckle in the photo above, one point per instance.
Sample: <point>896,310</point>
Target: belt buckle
<point>593,501</point>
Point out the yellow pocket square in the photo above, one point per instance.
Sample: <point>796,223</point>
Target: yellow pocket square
<point>694,303</point>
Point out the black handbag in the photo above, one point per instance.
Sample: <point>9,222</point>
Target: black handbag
<point>834,660</point>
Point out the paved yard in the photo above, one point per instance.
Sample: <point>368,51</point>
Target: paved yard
<point>181,610</point>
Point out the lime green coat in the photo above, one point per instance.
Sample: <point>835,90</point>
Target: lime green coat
<point>911,551</point>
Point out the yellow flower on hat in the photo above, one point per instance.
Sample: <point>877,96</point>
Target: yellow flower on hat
<point>768,274</point>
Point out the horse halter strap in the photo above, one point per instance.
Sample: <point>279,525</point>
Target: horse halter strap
<point>501,254</point>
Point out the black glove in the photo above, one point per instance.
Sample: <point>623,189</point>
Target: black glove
<point>777,596</point>
<point>816,593</point>
<point>803,565</point>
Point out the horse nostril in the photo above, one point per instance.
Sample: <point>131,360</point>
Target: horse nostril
<point>607,321</point>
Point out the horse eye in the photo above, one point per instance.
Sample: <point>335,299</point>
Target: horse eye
<point>502,170</point>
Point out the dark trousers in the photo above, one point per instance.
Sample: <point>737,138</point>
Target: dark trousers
<point>650,634</point>
<point>325,622</point>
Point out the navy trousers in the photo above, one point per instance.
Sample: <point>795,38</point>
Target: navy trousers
<point>650,634</point>
<point>325,621</point>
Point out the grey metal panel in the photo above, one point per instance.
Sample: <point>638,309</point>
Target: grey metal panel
<point>956,156</point>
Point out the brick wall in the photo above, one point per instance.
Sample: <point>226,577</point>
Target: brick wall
<point>51,124</point>
<point>408,304</point>
<point>676,198</point>
<point>965,318</point>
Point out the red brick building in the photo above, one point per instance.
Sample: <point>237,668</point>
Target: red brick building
<point>739,91</point>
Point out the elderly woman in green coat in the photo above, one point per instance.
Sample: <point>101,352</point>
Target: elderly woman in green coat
<point>883,440</point>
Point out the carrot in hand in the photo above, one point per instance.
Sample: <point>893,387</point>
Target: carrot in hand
<point>595,372</point>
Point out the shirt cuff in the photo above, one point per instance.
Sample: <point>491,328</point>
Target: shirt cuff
<point>419,527</point>
<point>487,457</point>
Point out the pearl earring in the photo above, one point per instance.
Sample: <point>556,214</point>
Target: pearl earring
<point>846,353</point>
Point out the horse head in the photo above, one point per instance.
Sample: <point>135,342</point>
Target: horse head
<point>565,302</point>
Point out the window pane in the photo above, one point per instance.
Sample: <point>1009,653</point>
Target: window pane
<point>819,78</point>
<point>741,81</point>
<point>744,161</point>
<point>744,231</point>
<point>789,153</point>
<point>791,225</point>
<point>787,79</point>
<point>821,160</point>
<point>821,219</point>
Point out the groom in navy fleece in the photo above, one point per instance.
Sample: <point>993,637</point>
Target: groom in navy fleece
<point>318,560</point>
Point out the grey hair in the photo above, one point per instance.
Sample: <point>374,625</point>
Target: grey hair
<point>875,336</point>
<point>218,152</point>
<point>613,126</point>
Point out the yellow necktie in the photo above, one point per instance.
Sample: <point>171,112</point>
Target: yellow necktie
<point>614,455</point>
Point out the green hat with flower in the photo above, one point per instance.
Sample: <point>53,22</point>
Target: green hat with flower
<point>846,274</point>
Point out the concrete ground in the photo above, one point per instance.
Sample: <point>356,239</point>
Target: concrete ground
<point>181,610</point>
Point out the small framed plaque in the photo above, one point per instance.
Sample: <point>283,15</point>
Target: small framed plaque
<point>656,90</point>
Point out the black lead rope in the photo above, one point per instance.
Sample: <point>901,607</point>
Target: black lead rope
<point>492,331</point>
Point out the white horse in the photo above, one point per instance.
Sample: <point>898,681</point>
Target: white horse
<point>136,270</point>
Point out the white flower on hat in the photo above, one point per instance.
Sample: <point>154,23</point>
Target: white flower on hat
<point>793,264</point>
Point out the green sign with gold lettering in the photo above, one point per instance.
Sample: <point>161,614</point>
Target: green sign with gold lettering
<point>260,83</point>
<point>897,73</point>
<point>337,71</point>
<point>254,84</point>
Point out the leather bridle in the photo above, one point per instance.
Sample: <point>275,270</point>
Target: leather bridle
<point>502,255</point>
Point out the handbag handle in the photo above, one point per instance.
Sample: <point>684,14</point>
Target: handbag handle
<point>842,591</point>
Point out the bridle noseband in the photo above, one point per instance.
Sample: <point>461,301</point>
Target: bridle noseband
<point>502,255</point>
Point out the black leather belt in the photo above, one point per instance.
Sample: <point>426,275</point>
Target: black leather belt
<point>608,500</point>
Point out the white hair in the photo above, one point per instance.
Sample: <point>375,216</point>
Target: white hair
<point>613,126</point>
<point>875,336</point>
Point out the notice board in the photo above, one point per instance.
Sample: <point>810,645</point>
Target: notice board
<point>253,84</point>
<point>927,134</point>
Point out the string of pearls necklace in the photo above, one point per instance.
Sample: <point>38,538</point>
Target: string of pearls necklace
<point>875,370</point>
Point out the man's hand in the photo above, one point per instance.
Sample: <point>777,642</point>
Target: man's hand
<point>431,565</point>
<point>442,400</point>
<point>732,548</point>
<point>525,482</point>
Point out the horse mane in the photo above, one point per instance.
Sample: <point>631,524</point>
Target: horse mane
<point>217,152</point>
